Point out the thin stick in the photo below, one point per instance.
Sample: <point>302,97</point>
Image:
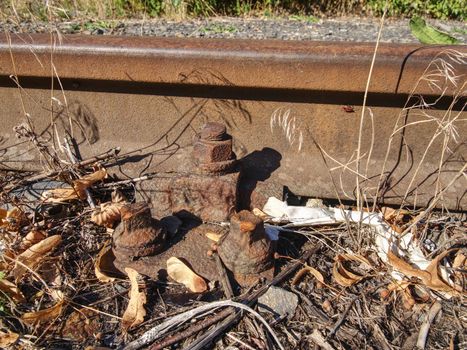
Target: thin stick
<point>199,326</point>
<point>209,336</point>
<point>424,329</point>
<point>362,116</point>
<point>101,157</point>
<point>341,319</point>
<point>183,317</point>
<point>249,299</point>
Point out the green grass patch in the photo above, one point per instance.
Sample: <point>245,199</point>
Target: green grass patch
<point>296,9</point>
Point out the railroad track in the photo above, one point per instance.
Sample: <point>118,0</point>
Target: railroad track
<point>278,99</point>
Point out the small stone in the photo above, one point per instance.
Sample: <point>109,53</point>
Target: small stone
<point>278,301</point>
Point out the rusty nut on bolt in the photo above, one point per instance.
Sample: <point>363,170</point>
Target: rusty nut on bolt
<point>246,250</point>
<point>139,234</point>
<point>212,149</point>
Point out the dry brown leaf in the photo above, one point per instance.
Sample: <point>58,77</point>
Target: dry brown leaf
<point>44,315</point>
<point>11,219</point>
<point>107,215</point>
<point>213,236</point>
<point>259,213</point>
<point>104,265</point>
<point>135,312</point>
<point>343,276</point>
<point>11,290</point>
<point>60,195</point>
<point>395,218</point>
<point>81,325</point>
<point>83,183</point>
<point>118,197</point>
<point>32,238</point>
<point>436,282</point>
<point>7,339</point>
<point>50,272</point>
<point>307,269</point>
<point>459,261</point>
<point>181,273</point>
<point>430,276</point>
<point>34,255</point>
<point>77,191</point>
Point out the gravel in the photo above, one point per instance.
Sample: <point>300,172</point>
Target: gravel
<point>343,29</point>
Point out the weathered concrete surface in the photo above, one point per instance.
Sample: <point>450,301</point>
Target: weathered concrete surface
<point>150,96</point>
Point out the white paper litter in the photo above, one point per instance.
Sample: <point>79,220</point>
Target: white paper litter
<point>386,238</point>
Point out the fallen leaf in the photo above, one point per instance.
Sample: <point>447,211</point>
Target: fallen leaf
<point>259,213</point>
<point>7,339</point>
<point>396,218</point>
<point>81,325</point>
<point>118,197</point>
<point>135,312</point>
<point>107,214</point>
<point>213,236</point>
<point>181,273</point>
<point>307,269</point>
<point>459,261</point>
<point>32,238</point>
<point>11,219</point>
<point>77,191</point>
<point>11,290</point>
<point>31,257</point>
<point>60,195</point>
<point>104,267</point>
<point>50,272</point>
<point>343,276</point>
<point>436,282</point>
<point>44,315</point>
<point>430,276</point>
<point>83,183</point>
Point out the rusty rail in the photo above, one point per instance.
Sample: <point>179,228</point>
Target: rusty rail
<point>147,95</point>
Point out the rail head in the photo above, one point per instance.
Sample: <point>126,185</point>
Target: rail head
<point>299,65</point>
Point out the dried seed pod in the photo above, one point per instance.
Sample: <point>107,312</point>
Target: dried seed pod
<point>139,234</point>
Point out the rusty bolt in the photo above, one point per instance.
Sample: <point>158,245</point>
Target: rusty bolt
<point>246,250</point>
<point>139,234</point>
<point>212,150</point>
<point>213,132</point>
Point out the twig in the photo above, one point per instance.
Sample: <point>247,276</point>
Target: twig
<point>156,332</point>
<point>199,326</point>
<point>341,319</point>
<point>318,338</point>
<point>424,329</point>
<point>141,178</point>
<point>224,277</point>
<point>249,299</point>
<point>101,157</point>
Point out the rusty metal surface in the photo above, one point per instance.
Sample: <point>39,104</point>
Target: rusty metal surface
<point>150,96</point>
<point>191,246</point>
<point>139,234</point>
<point>246,250</point>
<point>206,197</point>
<point>254,64</point>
